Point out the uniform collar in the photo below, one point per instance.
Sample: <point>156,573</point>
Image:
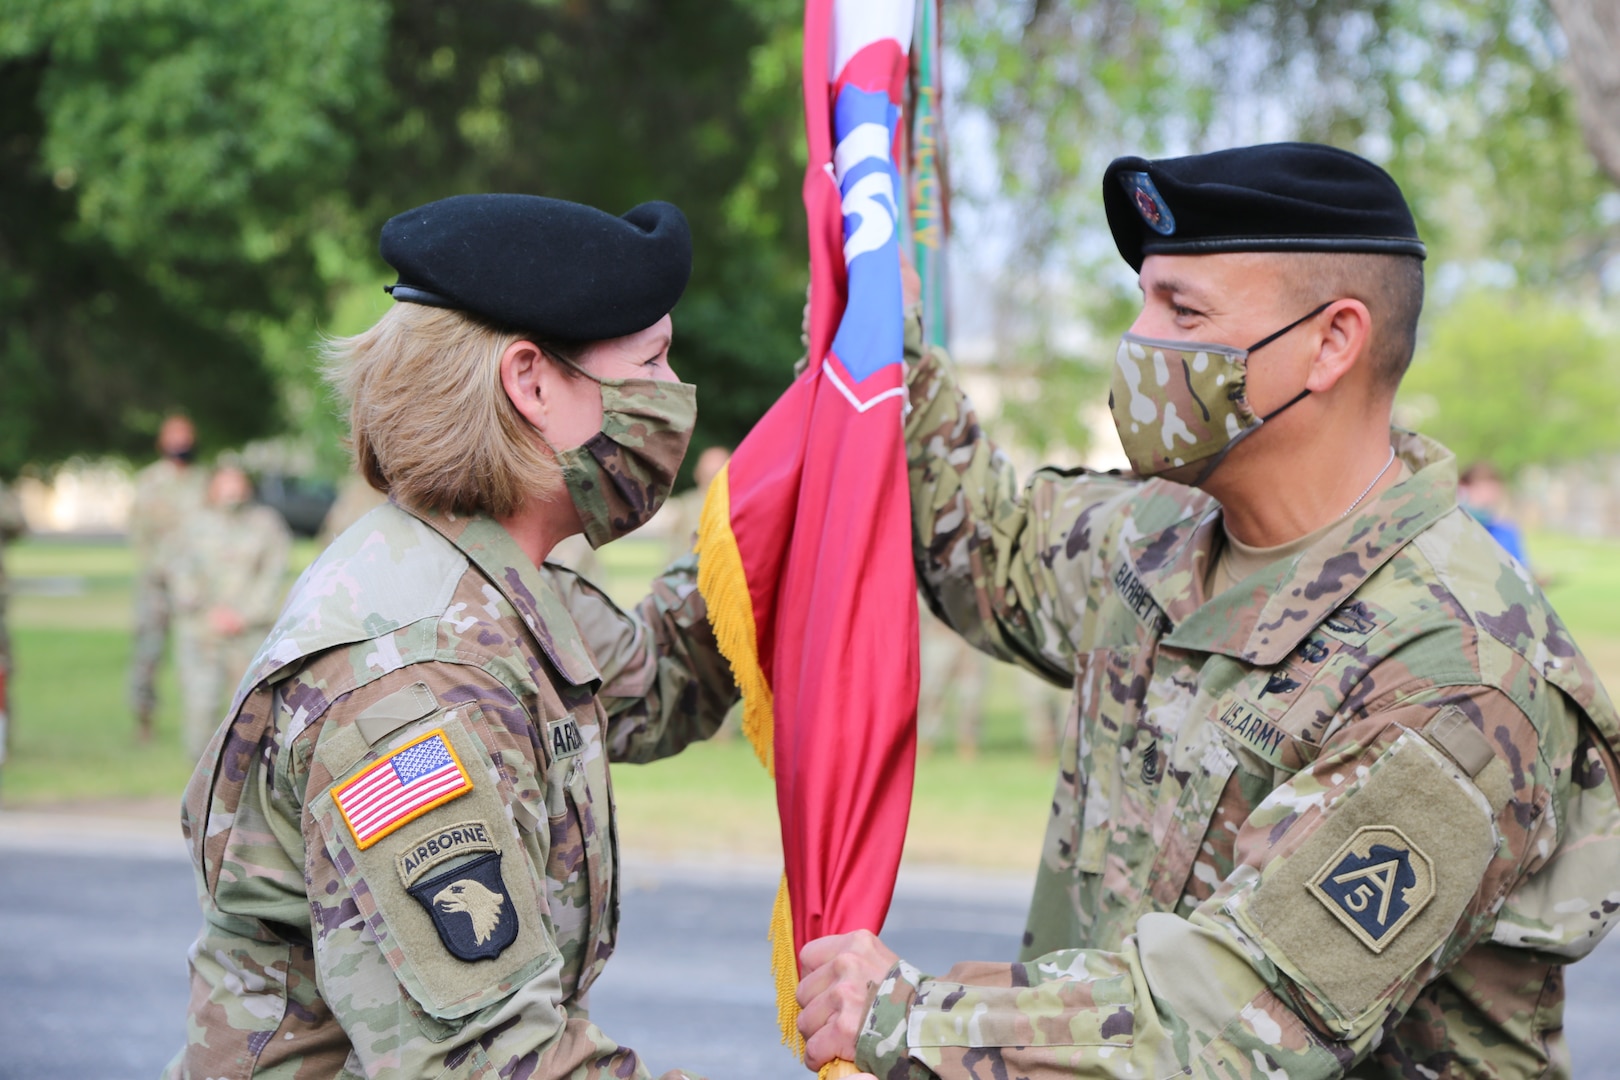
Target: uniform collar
<point>492,549</point>
<point>1263,618</point>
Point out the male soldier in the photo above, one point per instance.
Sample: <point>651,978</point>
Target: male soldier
<point>167,493</point>
<point>1338,793</point>
<point>227,586</point>
<point>403,833</point>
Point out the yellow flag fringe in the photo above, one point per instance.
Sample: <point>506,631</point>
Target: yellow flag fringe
<point>724,585</point>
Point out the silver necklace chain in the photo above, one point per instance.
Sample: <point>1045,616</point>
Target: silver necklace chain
<point>1368,489</point>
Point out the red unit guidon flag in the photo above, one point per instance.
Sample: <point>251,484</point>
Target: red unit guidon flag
<point>400,788</point>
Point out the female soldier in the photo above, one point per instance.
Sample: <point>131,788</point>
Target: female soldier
<point>403,833</point>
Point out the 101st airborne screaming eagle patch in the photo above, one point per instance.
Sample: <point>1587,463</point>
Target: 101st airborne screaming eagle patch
<point>1375,884</point>
<point>470,908</point>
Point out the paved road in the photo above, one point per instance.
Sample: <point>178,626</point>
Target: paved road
<point>93,933</point>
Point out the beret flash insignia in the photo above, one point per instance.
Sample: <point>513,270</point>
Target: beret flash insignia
<point>1148,202</point>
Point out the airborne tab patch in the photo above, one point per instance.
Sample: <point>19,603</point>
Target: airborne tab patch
<point>1375,884</point>
<point>440,846</point>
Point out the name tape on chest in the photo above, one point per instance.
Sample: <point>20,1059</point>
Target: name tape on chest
<point>564,738</point>
<point>1375,884</point>
<point>395,790</point>
<point>1136,596</point>
<point>1253,728</point>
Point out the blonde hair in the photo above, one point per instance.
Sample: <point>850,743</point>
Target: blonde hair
<point>429,422</point>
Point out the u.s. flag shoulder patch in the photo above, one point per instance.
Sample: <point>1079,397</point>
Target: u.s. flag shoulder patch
<point>398,789</point>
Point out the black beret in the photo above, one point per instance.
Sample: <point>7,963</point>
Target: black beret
<point>1277,197</point>
<point>552,268</point>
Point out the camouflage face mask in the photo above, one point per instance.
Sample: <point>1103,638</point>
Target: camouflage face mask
<point>1180,402</point>
<point>621,475</point>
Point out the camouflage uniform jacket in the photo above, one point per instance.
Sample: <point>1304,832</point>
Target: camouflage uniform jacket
<point>1350,817</point>
<point>166,497</point>
<point>347,939</point>
<point>233,557</point>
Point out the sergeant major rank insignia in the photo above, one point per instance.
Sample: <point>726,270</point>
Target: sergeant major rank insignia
<point>1375,884</point>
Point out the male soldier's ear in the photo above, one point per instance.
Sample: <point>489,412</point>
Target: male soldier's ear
<point>1345,327</point>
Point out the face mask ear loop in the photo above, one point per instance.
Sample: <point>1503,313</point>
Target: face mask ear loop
<point>1269,338</point>
<point>1299,397</point>
<point>1227,449</point>
<point>1221,455</point>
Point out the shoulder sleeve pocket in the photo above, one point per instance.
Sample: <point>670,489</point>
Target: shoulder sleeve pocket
<point>1378,887</point>
<point>421,838</point>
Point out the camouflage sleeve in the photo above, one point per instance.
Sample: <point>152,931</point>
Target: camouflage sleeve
<point>664,680</point>
<point>265,585</point>
<point>461,981</point>
<point>1346,898</point>
<point>186,571</point>
<point>1006,566</point>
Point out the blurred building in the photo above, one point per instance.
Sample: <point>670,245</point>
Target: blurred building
<point>80,497</point>
<point>1582,498</point>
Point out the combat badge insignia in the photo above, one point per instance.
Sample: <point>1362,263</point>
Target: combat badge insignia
<point>470,908</point>
<point>1149,203</point>
<point>1375,884</point>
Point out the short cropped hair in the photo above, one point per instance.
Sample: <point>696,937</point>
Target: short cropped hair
<point>1390,285</point>
<point>429,421</point>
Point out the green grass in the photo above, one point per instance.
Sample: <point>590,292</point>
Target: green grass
<point>73,739</point>
<point>1582,579</point>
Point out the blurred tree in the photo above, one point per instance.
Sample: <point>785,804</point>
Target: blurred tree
<point>1515,379</point>
<point>92,351</point>
<point>1462,100</point>
<point>225,169</point>
<point>1592,28</point>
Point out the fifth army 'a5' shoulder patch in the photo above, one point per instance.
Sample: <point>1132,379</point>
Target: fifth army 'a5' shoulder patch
<point>1375,884</point>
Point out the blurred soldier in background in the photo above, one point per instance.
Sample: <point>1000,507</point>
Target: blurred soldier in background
<point>953,677</point>
<point>167,493</point>
<point>1046,706</point>
<point>226,586</point>
<point>575,553</point>
<point>355,500</point>
<point>1482,493</point>
<point>682,513</point>
<point>12,526</point>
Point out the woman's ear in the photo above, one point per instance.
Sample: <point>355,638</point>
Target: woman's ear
<point>526,376</point>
